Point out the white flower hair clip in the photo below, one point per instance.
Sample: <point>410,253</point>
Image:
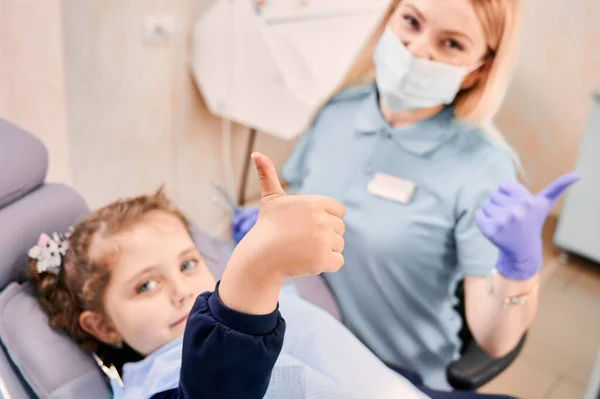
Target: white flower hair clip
<point>49,252</point>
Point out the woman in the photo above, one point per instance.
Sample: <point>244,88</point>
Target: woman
<point>408,161</point>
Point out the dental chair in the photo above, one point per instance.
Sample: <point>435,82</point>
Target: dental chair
<point>39,362</point>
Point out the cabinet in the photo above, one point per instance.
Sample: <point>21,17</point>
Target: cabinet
<point>578,229</point>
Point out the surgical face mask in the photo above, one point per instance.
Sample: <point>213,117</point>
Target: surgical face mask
<point>407,83</point>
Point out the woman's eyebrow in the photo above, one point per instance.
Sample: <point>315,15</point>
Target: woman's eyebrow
<point>448,31</point>
<point>461,34</point>
<point>416,11</point>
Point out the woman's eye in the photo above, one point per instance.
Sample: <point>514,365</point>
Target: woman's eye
<point>188,265</point>
<point>453,44</point>
<point>146,286</point>
<point>411,21</point>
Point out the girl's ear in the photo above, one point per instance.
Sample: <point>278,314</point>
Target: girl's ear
<point>95,324</point>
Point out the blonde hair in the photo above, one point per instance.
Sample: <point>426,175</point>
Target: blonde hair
<point>478,105</point>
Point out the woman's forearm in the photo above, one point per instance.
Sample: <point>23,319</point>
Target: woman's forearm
<point>512,219</point>
<point>497,327</point>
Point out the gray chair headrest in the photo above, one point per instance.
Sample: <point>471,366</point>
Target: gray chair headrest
<point>23,162</point>
<point>47,209</point>
<point>28,207</point>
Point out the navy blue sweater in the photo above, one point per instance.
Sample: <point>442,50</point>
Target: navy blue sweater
<point>227,354</point>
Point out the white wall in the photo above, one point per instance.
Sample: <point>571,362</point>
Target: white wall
<point>548,103</point>
<point>136,119</point>
<point>32,92</point>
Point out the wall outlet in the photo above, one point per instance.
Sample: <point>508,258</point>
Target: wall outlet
<point>158,29</point>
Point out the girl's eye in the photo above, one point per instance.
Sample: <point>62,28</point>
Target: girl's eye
<point>188,265</point>
<point>453,44</point>
<point>147,286</point>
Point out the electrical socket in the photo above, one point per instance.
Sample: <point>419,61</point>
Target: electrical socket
<point>158,29</point>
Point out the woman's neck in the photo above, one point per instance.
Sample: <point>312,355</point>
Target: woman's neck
<point>406,118</point>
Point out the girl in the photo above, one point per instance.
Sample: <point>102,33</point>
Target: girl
<point>407,157</point>
<point>124,284</point>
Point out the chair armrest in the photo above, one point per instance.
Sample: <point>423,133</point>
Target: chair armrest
<point>475,367</point>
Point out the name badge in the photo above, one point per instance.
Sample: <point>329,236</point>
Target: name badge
<point>391,188</point>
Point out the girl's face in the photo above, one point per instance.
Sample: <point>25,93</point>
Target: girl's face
<point>153,284</point>
<point>445,31</point>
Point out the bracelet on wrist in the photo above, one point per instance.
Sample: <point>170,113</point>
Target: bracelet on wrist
<point>508,301</point>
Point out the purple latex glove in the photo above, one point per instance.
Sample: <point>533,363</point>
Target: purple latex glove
<point>512,219</point>
<point>243,220</point>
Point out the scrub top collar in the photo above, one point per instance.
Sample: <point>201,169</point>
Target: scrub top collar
<point>419,138</point>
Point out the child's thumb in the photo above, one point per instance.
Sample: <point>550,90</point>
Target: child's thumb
<point>267,176</point>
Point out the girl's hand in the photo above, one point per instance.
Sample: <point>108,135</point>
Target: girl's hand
<point>293,236</point>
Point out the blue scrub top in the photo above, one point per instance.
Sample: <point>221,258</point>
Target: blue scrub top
<point>402,260</point>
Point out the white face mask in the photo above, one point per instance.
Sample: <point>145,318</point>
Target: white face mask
<point>406,83</point>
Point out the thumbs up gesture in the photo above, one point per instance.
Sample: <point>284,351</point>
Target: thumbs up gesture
<point>512,219</point>
<point>294,235</point>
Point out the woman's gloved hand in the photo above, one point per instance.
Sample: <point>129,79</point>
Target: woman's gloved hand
<point>243,220</point>
<point>512,219</point>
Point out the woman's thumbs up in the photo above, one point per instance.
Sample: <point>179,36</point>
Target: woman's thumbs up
<point>512,219</point>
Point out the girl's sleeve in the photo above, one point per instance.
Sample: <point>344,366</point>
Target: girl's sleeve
<point>227,354</point>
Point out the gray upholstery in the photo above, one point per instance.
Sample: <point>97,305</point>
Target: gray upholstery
<point>11,386</point>
<point>35,349</point>
<point>27,208</point>
<point>315,290</point>
<point>48,208</point>
<point>23,162</point>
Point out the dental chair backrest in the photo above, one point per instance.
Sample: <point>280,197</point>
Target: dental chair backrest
<point>36,360</point>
